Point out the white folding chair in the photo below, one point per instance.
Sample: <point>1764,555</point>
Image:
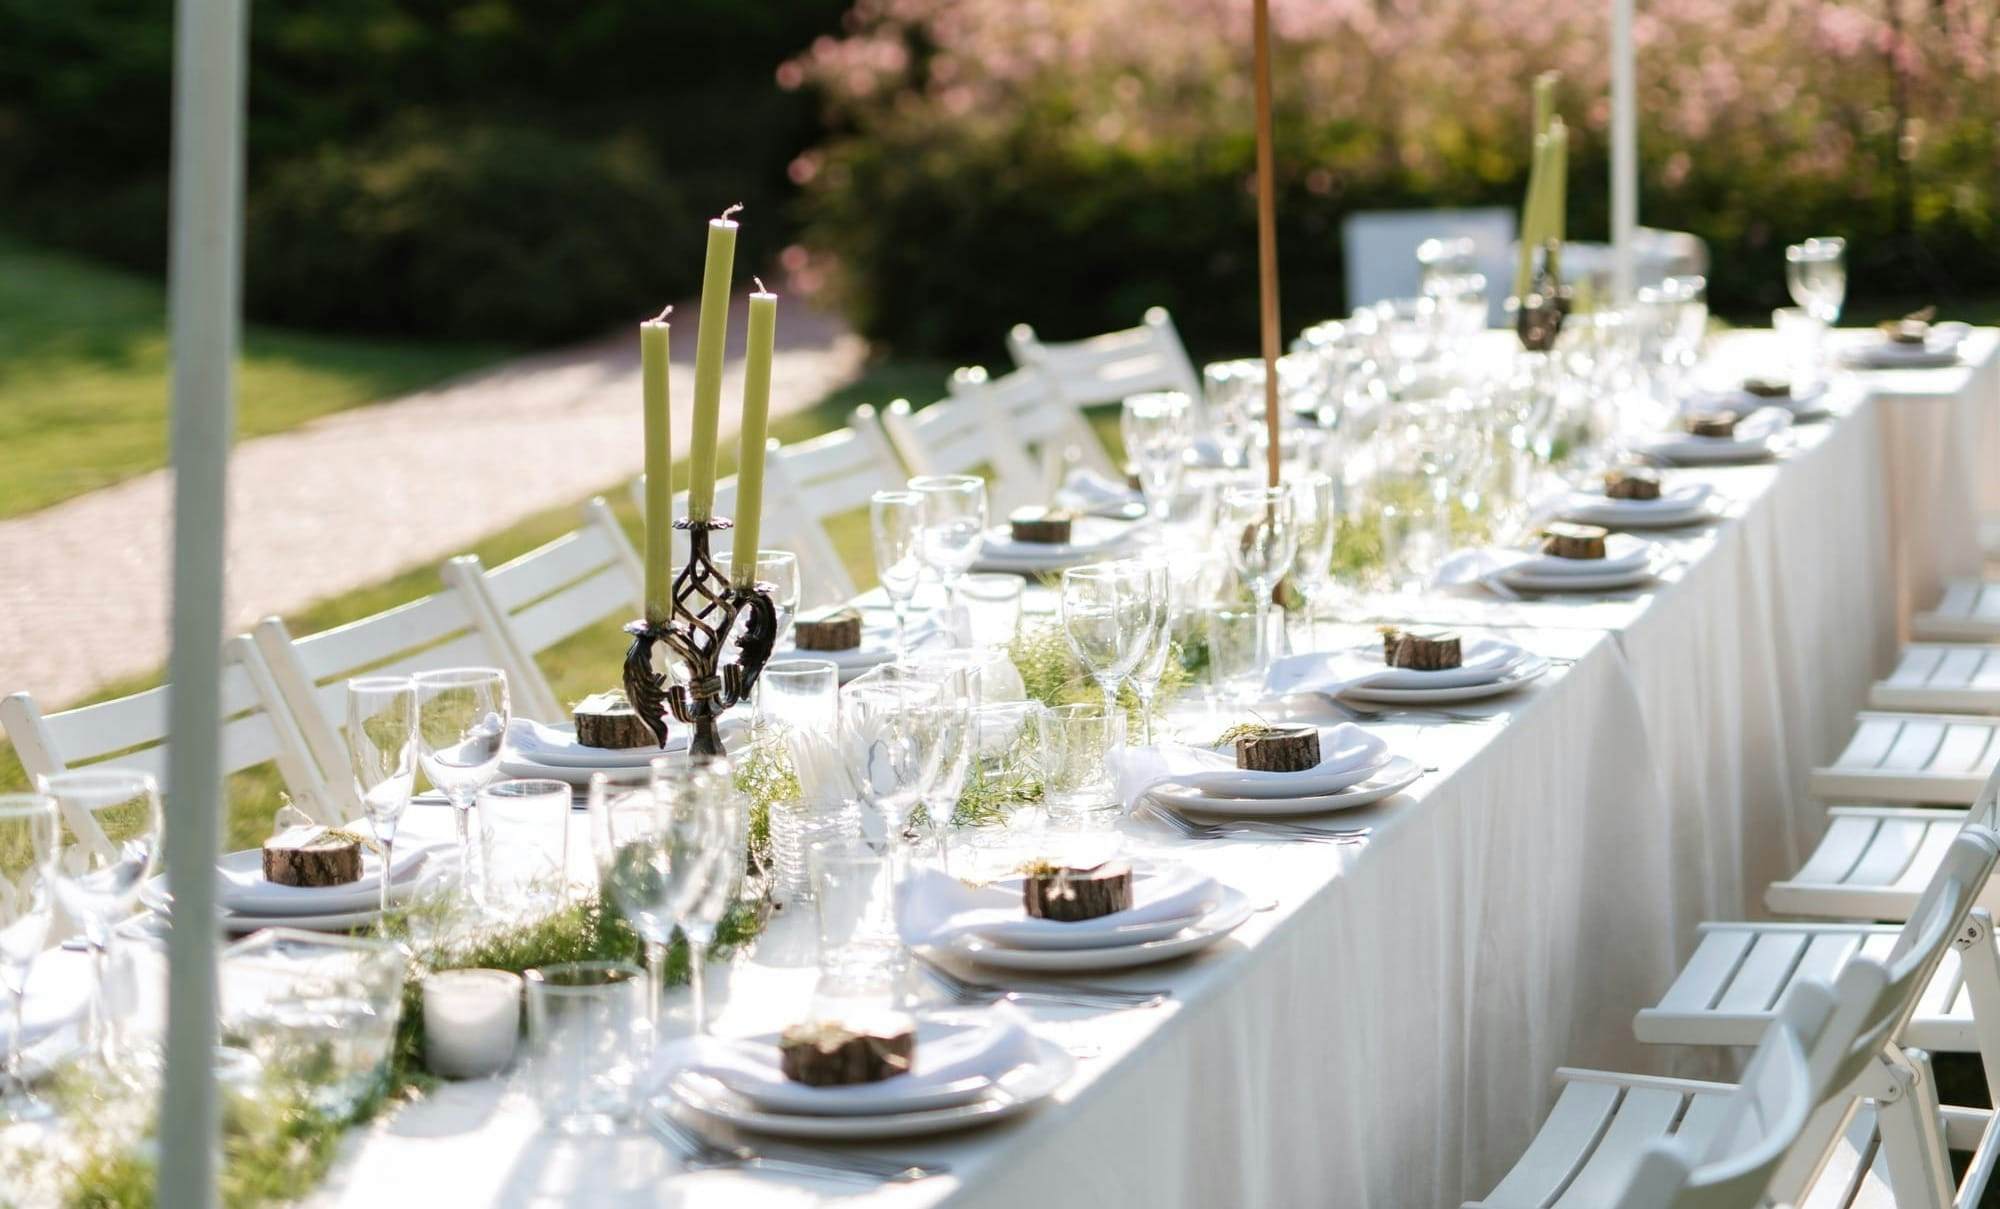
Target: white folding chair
<point>1968,612</point>
<point>1106,368</point>
<point>1911,758</point>
<point>964,436</point>
<point>551,593</point>
<point>131,732</point>
<point>1053,431</point>
<point>1951,678</point>
<point>810,483</point>
<point>439,631</point>
<point>1379,251</point>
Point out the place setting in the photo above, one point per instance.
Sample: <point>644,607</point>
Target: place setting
<point>1719,437</point>
<point>1916,341</point>
<point>1640,497</point>
<point>1036,540</point>
<point>1569,560</point>
<point>317,878</point>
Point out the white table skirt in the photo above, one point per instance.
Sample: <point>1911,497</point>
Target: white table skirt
<point>1384,1035</point>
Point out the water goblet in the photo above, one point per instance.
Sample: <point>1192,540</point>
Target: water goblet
<point>114,815</point>
<point>954,524</point>
<point>1105,617</point>
<point>801,694</point>
<point>706,843</point>
<point>881,724</point>
<point>1259,529</point>
<point>1158,640</point>
<point>1232,400</point>
<point>462,716</point>
<point>895,520</point>
<point>29,849</point>
<point>1816,276</point>
<point>382,756</point>
<point>1315,505</point>
<point>1154,427</point>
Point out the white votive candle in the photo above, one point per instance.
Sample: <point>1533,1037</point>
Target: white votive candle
<point>472,1020</point>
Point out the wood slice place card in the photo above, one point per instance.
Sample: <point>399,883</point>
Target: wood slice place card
<point>1566,540</point>
<point>1069,895</point>
<point>1632,483</point>
<point>1278,748</point>
<point>840,1053</point>
<point>828,630</point>
<point>607,720</point>
<point>1043,526</point>
<point>312,856</point>
<point>1710,423</point>
<point>1429,649</point>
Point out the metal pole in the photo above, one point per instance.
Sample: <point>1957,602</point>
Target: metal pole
<point>1624,151</point>
<point>203,289</point>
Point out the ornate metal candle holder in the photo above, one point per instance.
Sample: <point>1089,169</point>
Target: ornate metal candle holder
<point>1538,318</point>
<point>709,612</point>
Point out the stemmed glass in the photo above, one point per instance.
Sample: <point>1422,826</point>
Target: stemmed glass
<point>706,840</point>
<point>896,520</point>
<point>29,839</point>
<point>944,739</point>
<point>778,570</point>
<point>954,524</point>
<point>115,817</point>
<point>1262,537</point>
<point>1154,427</point>
<point>1158,641</point>
<point>882,721</point>
<point>1106,615</point>
<point>1316,508</point>
<point>1231,391</point>
<point>1816,275</point>
<point>382,754</point>
<point>462,716</point>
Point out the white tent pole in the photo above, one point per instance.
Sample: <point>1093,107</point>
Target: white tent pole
<point>203,287</point>
<point>1624,150</point>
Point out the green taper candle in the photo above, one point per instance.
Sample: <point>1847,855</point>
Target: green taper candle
<point>659,469</point>
<point>1545,99</point>
<point>1555,225</point>
<point>756,412</point>
<point>1531,218</point>
<point>708,363</point>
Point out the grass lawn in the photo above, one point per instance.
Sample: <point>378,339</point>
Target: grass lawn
<point>83,376</point>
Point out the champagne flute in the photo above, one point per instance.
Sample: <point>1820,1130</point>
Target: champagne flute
<point>115,816</point>
<point>382,754</point>
<point>1230,390</point>
<point>462,716</point>
<point>1154,427</point>
<point>1105,616</point>
<point>944,737</point>
<point>29,839</point>
<point>1816,275</point>
<point>627,837</point>
<point>707,825</point>
<point>895,519</point>
<point>1257,523</point>
<point>881,720</point>
<point>954,524</point>
<point>1315,504</point>
<point>1157,641</point>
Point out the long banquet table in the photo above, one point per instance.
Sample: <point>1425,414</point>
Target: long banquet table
<point>1383,1032</point>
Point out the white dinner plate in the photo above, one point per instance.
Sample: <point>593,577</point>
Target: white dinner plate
<point>1518,674</point>
<point>1391,779</point>
<point>1529,581</point>
<point>1685,505</point>
<point>1369,754</point>
<point>1096,538</point>
<point>1096,938</point>
<point>1011,1094</point>
<point>1690,450</point>
<point>1228,914</point>
<point>301,900</point>
<point>884,1098</point>
<point>339,921</point>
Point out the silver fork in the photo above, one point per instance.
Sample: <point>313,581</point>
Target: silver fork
<point>698,1152</point>
<point>966,991</point>
<point>1355,713</point>
<point>1289,831</point>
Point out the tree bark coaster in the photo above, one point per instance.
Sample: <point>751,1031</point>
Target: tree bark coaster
<point>833,1053</point>
<point>312,856</point>
<point>1423,650</point>
<point>828,630</point>
<point>1565,540</point>
<point>1279,749</point>
<point>1632,483</point>
<point>1067,895</point>
<point>1711,423</point>
<point>1768,388</point>
<point>1907,331</point>
<point>607,720</point>
<point>1043,526</point>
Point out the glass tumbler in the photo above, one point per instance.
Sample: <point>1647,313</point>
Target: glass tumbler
<point>585,1055</point>
<point>1077,783</point>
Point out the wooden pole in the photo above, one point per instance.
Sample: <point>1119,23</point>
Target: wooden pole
<point>203,290</point>
<point>1267,234</point>
<point>1624,152</point>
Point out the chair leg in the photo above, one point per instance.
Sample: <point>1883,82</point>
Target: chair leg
<point>1979,961</point>
<point>1912,1126</point>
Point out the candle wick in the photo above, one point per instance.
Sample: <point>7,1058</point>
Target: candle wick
<point>735,209</point>
<point>760,285</point>
<point>662,316</point>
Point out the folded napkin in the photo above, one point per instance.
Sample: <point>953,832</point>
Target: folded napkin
<point>1685,497</point>
<point>1484,660</point>
<point>543,743</point>
<point>1086,490</point>
<point>878,643</point>
<point>1347,754</point>
<point>1745,404</point>
<point>934,908</point>
<point>242,888</point>
<point>946,1053</point>
<point>1088,535</point>
<point>1622,553</point>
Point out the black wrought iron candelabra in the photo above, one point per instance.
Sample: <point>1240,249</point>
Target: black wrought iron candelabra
<point>709,614</point>
<point>1538,318</point>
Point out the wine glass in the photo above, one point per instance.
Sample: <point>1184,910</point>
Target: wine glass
<point>944,737</point>
<point>382,754</point>
<point>1262,537</point>
<point>1232,398</point>
<point>1154,427</point>
<point>881,722</point>
<point>1816,275</point>
<point>29,838</point>
<point>115,816</point>
<point>1106,616</point>
<point>895,519</point>
<point>1158,640</point>
<point>954,524</point>
<point>1316,508</point>
<point>462,717</point>
<point>778,572</point>
<point>707,838</point>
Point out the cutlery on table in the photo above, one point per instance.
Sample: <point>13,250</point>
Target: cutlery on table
<point>1255,827</point>
<point>698,1152</point>
<point>966,991</point>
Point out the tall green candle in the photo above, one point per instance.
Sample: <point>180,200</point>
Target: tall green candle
<point>756,411</point>
<point>1554,224</point>
<point>708,363</point>
<point>1545,99</point>
<point>1531,218</point>
<point>659,469</point>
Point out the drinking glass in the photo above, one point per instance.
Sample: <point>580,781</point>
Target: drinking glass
<point>1801,337</point>
<point>524,833</point>
<point>954,524</point>
<point>1688,298</point>
<point>801,694</point>
<point>1105,616</point>
<point>1233,402</point>
<point>1816,275</point>
<point>462,716</point>
<point>583,1017</point>
<point>778,571</point>
<point>895,519</point>
<point>29,849</point>
<point>318,1011</point>
<point>881,723</point>
<point>853,884</point>
<point>626,828</point>
<point>1154,427</point>
<point>707,839</point>
<point>946,738</point>
<point>1157,641</point>
<point>382,755</point>
<point>1262,538</point>
<point>1315,505</point>
<point>1077,782</point>
<point>992,608</point>
<point>114,815</point>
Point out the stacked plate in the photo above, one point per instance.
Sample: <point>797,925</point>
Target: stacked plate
<point>1488,667</point>
<point>1356,768</point>
<point>878,644</point>
<point>1175,911</point>
<point>1627,561</point>
<point>1805,403</point>
<point>1686,504</point>
<point>250,902</point>
<point>1091,538</point>
<point>968,1071</point>
<point>551,751</point>
<point>1758,436</point>
<point>1939,351</point>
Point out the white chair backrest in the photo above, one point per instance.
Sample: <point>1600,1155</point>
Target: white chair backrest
<point>809,483</point>
<point>962,436</point>
<point>1106,368</point>
<point>551,593</point>
<point>1727,1161</point>
<point>1379,252</point>
<point>131,732</point>
<point>1054,430</point>
<point>439,631</point>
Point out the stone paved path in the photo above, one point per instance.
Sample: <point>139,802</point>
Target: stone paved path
<point>355,497</point>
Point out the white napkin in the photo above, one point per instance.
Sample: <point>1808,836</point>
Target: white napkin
<point>1685,497</point>
<point>934,908</point>
<point>1085,490</point>
<point>1755,429</point>
<point>242,888</point>
<point>1939,350</point>
<point>1347,752</point>
<point>1089,535</point>
<point>1622,552</point>
<point>542,743</point>
<point>878,643</point>
<point>1746,404</point>
<point>946,1054</point>
<point>1484,660</point>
